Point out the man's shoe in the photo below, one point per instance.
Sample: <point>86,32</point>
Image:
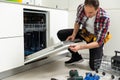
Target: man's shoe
<point>74,61</point>
<point>75,58</point>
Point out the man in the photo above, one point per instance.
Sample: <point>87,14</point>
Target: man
<point>95,20</point>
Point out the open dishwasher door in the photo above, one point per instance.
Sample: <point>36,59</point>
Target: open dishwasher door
<point>50,50</point>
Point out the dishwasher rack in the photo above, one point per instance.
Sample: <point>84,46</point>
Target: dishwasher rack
<point>105,66</point>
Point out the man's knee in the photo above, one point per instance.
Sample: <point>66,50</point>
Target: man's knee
<point>60,35</point>
<point>94,64</point>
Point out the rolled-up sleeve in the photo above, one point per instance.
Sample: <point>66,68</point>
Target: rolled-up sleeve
<point>79,14</point>
<point>103,25</point>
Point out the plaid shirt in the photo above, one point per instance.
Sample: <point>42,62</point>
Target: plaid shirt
<point>101,22</point>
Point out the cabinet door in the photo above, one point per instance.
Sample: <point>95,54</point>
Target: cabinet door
<point>11,20</point>
<point>11,53</point>
<point>60,4</point>
<point>58,21</point>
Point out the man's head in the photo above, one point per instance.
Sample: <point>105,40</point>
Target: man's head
<point>91,7</point>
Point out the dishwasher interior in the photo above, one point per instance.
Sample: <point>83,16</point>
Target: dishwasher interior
<point>35,31</point>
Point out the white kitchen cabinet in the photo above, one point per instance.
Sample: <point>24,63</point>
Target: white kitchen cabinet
<point>58,21</point>
<point>11,36</point>
<point>60,4</point>
<point>12,32</point>
<point>11,51</point>
<point>11,20</point>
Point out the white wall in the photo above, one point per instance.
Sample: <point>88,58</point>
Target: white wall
<point>113,9</point>
<point>110,4</point>
<point>113,44</point>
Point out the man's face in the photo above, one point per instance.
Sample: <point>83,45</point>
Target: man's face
<point>90,11</point>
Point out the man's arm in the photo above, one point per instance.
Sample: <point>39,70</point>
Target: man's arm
<point>89,45</point>
<point>75,31</point>
<point>76,28</point>
<point>77,47</point>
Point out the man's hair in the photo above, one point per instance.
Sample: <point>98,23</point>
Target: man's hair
<point>94,3</point>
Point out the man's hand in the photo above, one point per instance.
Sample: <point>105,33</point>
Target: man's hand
<point>71,38</point>
<point>74,48</point>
